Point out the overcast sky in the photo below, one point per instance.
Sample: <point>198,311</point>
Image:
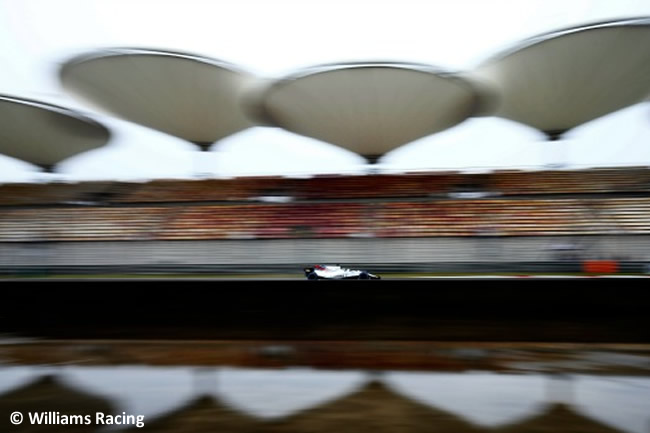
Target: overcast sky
<point>273,38</point>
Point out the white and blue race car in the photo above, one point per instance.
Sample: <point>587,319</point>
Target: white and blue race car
<point>336,272</point>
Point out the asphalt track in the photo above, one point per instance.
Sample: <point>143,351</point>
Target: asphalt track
<point>269,278</point>
<point>543,309</point>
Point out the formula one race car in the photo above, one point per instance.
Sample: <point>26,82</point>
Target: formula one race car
<point>336,272</point>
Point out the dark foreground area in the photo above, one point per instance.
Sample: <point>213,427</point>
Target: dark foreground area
<point>553,310</point>
<point>513,356</point>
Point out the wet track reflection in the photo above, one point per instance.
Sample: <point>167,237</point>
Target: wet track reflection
<point>208,359</point>
<point>210,398</point>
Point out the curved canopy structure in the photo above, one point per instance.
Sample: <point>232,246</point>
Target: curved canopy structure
<point>191,97</point>
<point>202,414</point>
<point>49,393</point>
<point>45,134</point>
<point>375,407</point>
<point>369,108</point>
<point>556,417</point>
<point>560,80</point>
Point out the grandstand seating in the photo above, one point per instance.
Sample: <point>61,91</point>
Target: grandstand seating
<point>17,194</point>
<point>374,186</point>
<point>80,224</point>
<point>603,201</point>
<point>479,217</point>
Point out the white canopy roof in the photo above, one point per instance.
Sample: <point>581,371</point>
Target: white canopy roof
<point>191,97</point>
<point>369,108</point>
<point>45,134</point>
<point>559,80</point>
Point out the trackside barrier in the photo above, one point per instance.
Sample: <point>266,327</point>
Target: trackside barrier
<point>518,268</point>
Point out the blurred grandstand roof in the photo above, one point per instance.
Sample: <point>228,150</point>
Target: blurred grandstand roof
<point>272,39</point>
<point>558,414</point>
<point>562,79</point>
<point>188,96</point>
<point>201,414</point>
<point>369,108</point>
<point>45,134</point>
<point>57,395</point>
<point>376,407</point>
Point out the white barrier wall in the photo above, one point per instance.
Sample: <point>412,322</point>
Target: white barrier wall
<point>362,250</point>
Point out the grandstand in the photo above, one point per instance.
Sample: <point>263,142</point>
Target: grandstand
<point>418,221</point>
<point>551,220</point>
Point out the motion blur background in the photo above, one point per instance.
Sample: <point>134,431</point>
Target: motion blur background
<point>251,139</point>
<point>265,137</point>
